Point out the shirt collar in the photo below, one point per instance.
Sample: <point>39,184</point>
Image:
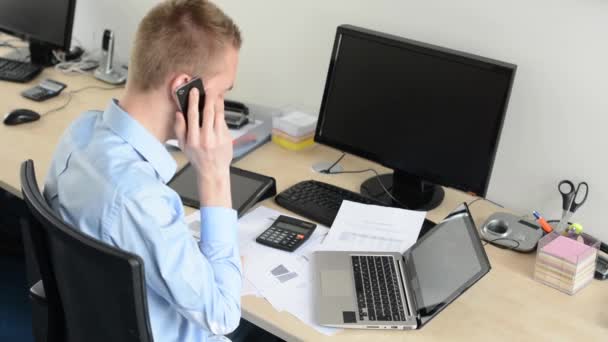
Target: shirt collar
<point>140,139</point>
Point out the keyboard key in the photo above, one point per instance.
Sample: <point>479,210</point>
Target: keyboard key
<point>377,288</point>
<point>318,201</point>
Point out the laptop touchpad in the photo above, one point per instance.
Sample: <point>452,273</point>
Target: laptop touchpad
<point>336,283</point>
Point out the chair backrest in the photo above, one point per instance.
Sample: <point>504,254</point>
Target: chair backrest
<point>99,289</point>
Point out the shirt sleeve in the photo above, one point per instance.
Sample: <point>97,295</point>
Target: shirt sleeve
<point>201,280</point>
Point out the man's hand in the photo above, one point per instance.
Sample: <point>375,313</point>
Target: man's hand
<point>209,148</point>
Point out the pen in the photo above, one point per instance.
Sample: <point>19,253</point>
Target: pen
<point>543,223</point>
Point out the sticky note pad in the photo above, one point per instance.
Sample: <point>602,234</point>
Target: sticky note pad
<point>566,248</point>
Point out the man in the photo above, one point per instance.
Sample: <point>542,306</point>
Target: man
<point>109,173</point>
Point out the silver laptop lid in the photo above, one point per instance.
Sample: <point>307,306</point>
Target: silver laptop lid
<point>444,263</point>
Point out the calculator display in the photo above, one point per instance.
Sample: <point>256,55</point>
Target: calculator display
<point>292,227</point>
<point>50,85</point>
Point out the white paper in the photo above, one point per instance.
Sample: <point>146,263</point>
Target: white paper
<point>372,228</point>
<point>292,270</point>
<point>235,133</point>
<point>248,289</point>
<point>287,283</point>
<point>194,224</point>
<point>283,278</point>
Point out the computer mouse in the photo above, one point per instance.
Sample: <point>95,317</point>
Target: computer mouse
<point>20,116</point>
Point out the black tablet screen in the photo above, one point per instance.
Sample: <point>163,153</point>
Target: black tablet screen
<point>243,187</point>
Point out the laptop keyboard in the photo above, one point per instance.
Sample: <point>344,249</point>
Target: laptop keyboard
<point>377,287</point>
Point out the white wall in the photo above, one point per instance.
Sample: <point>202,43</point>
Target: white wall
<point>555,126</point>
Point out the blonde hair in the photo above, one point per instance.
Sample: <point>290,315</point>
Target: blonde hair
<point>179,36</point>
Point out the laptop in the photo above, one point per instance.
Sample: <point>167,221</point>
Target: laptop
<point>379,290</point>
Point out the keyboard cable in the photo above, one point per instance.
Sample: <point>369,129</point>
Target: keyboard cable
<point>377,177</point>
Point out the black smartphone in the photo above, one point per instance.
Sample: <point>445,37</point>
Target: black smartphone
<point>182,93</point>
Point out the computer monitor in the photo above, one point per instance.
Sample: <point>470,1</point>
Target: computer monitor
<point>46,24</point>
<point>431,114</point>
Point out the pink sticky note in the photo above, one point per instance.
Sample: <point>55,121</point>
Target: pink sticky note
<point>566,248</point>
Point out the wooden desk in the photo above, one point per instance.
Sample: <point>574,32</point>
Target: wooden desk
<point>507,304</point>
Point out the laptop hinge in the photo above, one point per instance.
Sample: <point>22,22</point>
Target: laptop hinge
<point>409,295</point>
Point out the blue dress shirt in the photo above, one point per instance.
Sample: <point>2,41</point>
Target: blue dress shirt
<point>108,179</point>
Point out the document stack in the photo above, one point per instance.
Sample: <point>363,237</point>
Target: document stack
<point>294,131</point>
<point>564,263</point>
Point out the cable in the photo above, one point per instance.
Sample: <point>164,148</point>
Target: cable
<point>8,45</point>
<point>376,195</point>
<point>19,54</point>
<point>328,170</point>
<point>81,65</point>
<point>388,193</point>
<point>71,95</point>
<point>499,246</point>
<point>484,199</point>
<point>475,200</point>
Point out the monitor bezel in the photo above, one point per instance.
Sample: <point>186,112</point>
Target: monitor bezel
<point>426,48</point>
<point>69,25</point>
<point>485,265</point>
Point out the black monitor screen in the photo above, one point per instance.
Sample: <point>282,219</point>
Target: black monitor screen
<point>48,21</point>
<point>425,111</point>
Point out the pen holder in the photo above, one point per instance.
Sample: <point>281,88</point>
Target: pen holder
<point>566,263</point>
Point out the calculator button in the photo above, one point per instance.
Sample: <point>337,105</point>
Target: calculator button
<point>300,237</point>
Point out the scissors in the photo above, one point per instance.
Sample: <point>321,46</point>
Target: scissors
<point>570,200</point>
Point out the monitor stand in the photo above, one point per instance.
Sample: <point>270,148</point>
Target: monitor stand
<point>41,54</point>
<point>410,191</point>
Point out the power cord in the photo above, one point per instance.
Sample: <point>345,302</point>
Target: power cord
<point>82,65</point>
<point>486,200</point>
<point>7,44</point>
<point>492,242</point>
<point>70,95</point>
<point>20,55</point>
<point>328,170</point>
<point>386,191</point>
<point>499,246</point>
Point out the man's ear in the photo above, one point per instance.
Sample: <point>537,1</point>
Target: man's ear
<point>176,82</point>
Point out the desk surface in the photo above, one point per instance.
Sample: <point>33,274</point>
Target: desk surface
<point>507,304</point>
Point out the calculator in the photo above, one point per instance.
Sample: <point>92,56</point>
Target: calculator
<point>286,233</point>
<point>45,90</point>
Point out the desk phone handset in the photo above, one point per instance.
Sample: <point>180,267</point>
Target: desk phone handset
<point>236,112</point>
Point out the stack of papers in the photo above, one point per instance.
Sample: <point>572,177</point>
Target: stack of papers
<point>371,228</point>
<point>283,278</point>
<point>286,279</point>
<point>565,264</point>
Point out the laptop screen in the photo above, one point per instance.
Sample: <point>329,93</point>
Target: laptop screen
<point>445,262</point>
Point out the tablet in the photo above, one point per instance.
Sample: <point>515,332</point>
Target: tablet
<point>247,188</point>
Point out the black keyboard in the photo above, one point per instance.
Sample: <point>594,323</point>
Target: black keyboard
<point>377,287</point>
<point>16,71</point>
<point>319,201</point>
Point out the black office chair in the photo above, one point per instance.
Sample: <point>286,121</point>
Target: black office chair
<point>93,291</point>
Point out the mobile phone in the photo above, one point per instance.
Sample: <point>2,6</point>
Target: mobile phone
<point>182,93</point>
